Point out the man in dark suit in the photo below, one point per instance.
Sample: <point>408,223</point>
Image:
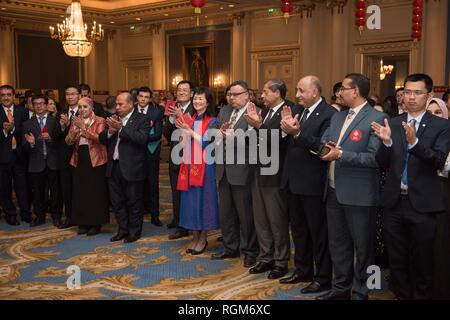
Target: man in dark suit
<point>269,201</point>
<point>154,119</point>
<point>234,179</point>
<point>184,105</point>
<point>85,91</point>
<point>12,158</point>
<point>304,177</point>
<point>353,189</point>
<point>72,96</point>
<point>126,135</point>
<point>41,136</point>
<point>415,145</point>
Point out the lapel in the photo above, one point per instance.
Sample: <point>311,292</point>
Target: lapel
<point>132,118</point>
<point>35,124</point>
<point>241,123</point>
<point>276,118</point>
<point>16,112</point>
<point>313,116</point>
<point>402,132</point>
<point>359,117</point>
<point>424,124</point>
<point>3,115</point>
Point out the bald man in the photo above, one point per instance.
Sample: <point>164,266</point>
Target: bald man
<point>127,136</point>
<point>304,179</point>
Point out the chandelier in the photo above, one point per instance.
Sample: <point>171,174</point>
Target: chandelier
<point>385,69</point>
<point>72,32</point>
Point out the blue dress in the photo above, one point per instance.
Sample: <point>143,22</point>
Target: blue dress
<point>199,208</point>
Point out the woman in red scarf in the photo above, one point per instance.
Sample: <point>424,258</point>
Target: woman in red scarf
<point>199,205</point>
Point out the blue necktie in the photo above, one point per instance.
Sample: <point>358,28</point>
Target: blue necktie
<point>405,170</point>
<point>44,145</point>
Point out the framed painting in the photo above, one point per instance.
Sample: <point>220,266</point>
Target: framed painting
<point>198,63</point>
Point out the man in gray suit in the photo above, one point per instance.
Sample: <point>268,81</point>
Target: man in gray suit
<point>353,189</point>
<point>235,199</point>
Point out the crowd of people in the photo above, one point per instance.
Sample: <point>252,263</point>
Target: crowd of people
<point>350,177</point>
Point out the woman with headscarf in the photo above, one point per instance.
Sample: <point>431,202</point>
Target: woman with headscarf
<point>441,275</point>
<point>89,158</point>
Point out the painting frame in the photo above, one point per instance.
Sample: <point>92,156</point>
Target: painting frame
<point>198,63</point>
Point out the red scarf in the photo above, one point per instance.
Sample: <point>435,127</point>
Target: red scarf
<point>196,173</point>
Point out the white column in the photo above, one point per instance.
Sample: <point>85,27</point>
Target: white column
<point>6,54</point>
<point>238,46</point>
<point>159,58</point>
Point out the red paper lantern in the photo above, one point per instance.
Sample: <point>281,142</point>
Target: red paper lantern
<point>417,20</point>
<point>360,14</point>
<point>287,8</point>
<point>198,5</point>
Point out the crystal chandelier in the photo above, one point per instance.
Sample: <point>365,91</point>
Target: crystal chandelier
<point>72,33</point>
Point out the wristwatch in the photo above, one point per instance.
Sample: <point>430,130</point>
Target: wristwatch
<point>340,154</point>
<point>298,134</point>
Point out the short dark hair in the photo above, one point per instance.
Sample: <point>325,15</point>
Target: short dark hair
<point>361,82</point>
<point>145,89</point>
<point>446,96</point>
<point>241,83</point>
<point>417,77</point>
<point>110,102</point>
<point>69,86</point>
<point>279,85</point>
<point>337,86</point>
<point>399,89</point>
<point>209,98</point>
<point>39,96</point>
<point>84,86</point>
<point>191,85</point>
<point>29,94</point>
<point>8,87</point>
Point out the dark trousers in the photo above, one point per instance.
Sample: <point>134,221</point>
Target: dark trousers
<point>410,238</point>
<point>40,181</point>
<point>14,172</point>
<point>151,187</point>
<point>65,178</point>
<point>127,202</point>
<point>236,218</point>
<point>176,196</point>
<point>308,220</point>
<point>349,228</point>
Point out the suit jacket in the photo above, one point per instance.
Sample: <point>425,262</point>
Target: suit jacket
<point>154,117</point>
<point>97,151</point>
<point>132,148</point>
<point>425,158</point>
<point>20,115</point>
<point>65,150</point>
<point>304,173</point>
<point>357,172</point>
<point>37,163</point>
<point>237,174</point>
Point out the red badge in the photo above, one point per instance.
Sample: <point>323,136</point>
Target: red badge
<point>356,135</point>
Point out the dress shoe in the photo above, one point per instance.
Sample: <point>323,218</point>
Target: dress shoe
<point>56,221</point>
<point>178,234</point>
<point>67,224</point>
<point>171,225</point>
<point>315,287</point>
<point>155,221</point>
<point>261,267</point>
<point>225,255</point>
<point>26,219</point>
<point>12,221</point>
<point>334,295</point>
<point>82,230</point>
<point>277,272</point>
<point>130,239</point>
<point>295,278</point>
<point>93,231</point>
<point>37,222</point>
<point>118,237</point>
<point>197,252</point>
<point>249,261</point>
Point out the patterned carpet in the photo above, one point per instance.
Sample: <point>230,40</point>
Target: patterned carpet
<point>34,262</point>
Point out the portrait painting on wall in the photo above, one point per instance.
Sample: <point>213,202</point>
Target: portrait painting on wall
<point>197,63</point>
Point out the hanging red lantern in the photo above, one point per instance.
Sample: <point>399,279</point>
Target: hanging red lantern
<point>286,8</point>
<point>360,14</point>
<point>417,20</point>
<point>198,5</point>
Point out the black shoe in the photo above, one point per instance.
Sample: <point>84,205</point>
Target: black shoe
<point>315,287</point>
<point>180,233</point>
<point>295,278</point>
<point>195,252</point>
<point>225,255</point>
<point>118,237</point>
<point>26,219</point>
<point>130,239</point>
<point>67,224</point>
<point>56,221</point>
<point>82,230</point>
<point>335,295</point>
<point>155,221</point>
<point>261,267</point>
<point>12,221</point>
<point>93,231</point>
<point>277,272</point>
<point>249,261</point>
<point>171,225</point>
<point>37,222</point>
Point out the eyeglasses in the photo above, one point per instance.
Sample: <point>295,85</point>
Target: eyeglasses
<point>408,92</point>
<point>183,90</point>
<point>72,93</point>
<point>6,95</point>
<point>344,88</point>
<point>234,95</point>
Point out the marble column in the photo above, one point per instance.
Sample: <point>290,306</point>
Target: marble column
<point>238,48</point>
<point>158,67</point>
<point>7,72</point>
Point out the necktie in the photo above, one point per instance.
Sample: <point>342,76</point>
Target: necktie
<point>234,117</point>
<point>44,145</point>
<point>11,119</point>
<point>269,116</point>
<point>142,110</point>
<point>72,113</point>
<point>350,115</point>
<point>405,170</point>
<point>305,117</point>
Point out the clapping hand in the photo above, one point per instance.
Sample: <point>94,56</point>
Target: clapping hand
<point>182,124</point>
<point>332,154</point>
<point>30,138</point>
<point>8,126</point>
<point>114,124</point>
<point>410,132</point>
<point>226,130</point>
<point>382,132</point>
<point>63,120</point>
<point>290,125</point>
<point>78,122</point>
<point>175,111</point>
<point>253,117</point>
